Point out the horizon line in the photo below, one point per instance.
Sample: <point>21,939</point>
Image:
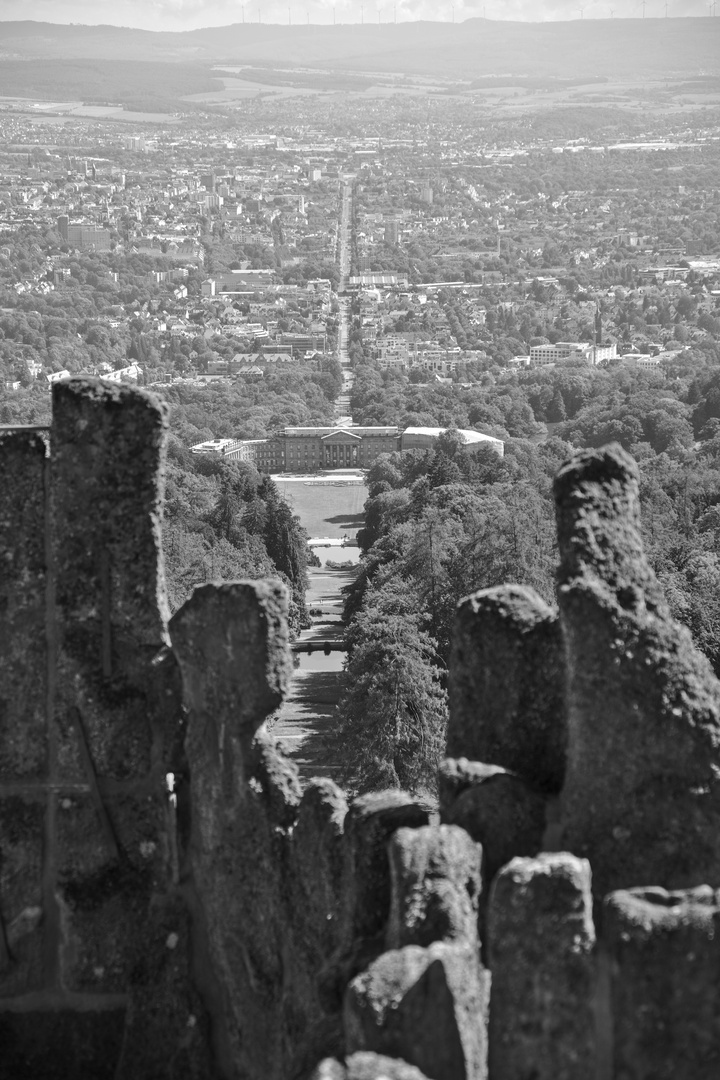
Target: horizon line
<point>299,25</point>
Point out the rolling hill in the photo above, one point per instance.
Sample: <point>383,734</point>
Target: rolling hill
<point>644,48</point>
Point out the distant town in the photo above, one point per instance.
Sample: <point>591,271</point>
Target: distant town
<point>206,253</point>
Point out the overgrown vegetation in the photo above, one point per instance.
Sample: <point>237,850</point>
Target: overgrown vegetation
<point>223,520</point>
<point>445,522</point>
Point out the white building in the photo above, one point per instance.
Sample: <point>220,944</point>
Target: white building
<point>226,448</point>
<point>130,372</point>
<point>422,438</point>
<point>541,355</point>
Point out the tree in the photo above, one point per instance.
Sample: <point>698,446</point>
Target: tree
<point>393,716</point>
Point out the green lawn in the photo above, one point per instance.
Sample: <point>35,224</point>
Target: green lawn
<point>325,510</point>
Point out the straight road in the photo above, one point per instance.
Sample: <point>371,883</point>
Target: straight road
<point>306,718</point>
<point>342,403</point>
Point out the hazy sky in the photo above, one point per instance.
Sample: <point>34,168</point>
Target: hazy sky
<point>189,14</point>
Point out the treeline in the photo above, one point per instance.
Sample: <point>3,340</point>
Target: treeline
<point>619,400</point>
<point>288,395</point>
<point>439,524</point>
<point>224,520</point>
<point>445,522</point>
<point>136,84</point>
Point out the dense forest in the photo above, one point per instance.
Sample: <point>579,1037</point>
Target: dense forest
<point>135,84</point>
<point>445,522</point>
<point>223,520</point>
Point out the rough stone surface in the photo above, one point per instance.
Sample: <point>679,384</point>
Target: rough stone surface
<point>231,643</point>
<point>88,856</point>
<point>312,913</point>
<point>106,891</point>
<point>22,822</point>
<point>506,685</point>
<point>641,797</point>
<point>663,955</point>
<point>370,822</point>
<point>23,584</point>
<point>58,1044</point>
<point>366,1066</point>
<point>426,1006</point>
<point>317,866</point>
<point>168,1029</point>
<point>242,933</point>
<point>366,888</point>
<point>436,882</point>
<point>541,940</point>
<point>498,810</point>
<point>24,693</point>
<point>108,448</point>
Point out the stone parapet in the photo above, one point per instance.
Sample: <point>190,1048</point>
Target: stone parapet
<point>247,928</point>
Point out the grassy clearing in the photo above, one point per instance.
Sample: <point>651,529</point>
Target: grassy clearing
<point>326,510</point>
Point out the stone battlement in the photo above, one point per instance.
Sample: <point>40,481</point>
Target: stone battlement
<point>559,920</point>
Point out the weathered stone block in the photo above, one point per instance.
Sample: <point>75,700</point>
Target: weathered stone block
<point>168,1031</point>
<point>231,642</point>
<point>498,810</point>
<point>108,450</point>
<point>108,444</point>
<point>108,871</point>
<point>541,939</point>
<point>366,888</point>
<point>436,882</point>
<point>426,1006</point>
<point>317,862</point>
<point>662,950</point>
<point>366,1066</point>
<point>21,895</point>
<point>641,797</point>
<point>370,822</point>
<point>23,603</point>
<point>507,685</point>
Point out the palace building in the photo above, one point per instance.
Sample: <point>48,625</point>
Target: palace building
<point>315,449</point>
<point>337,447</point>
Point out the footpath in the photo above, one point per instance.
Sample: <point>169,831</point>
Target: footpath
<point>306,717</point>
